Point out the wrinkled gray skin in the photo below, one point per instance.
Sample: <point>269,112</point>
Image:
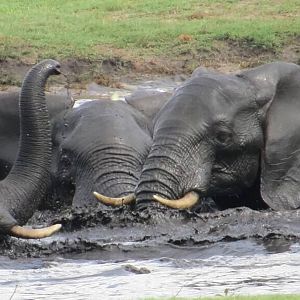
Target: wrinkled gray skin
<point>10,124</point>
<point>101,146</point>
<point>24,187</point>
<point>231,137</point>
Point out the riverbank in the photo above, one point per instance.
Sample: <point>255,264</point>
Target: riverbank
<point>103,41</point>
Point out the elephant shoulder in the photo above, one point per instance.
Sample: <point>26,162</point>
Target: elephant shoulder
<point>58,103</point>
<point>202,71</point>
<point>9,103</point>
<point>270,74</point>
<point>148,102</point>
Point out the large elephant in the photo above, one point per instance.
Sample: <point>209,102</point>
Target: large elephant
<point>101,147</point>
<point>234,138</point>
<point>10,124</point>
<point>26,184</point>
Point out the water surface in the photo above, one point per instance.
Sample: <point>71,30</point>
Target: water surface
<point>242,267</point>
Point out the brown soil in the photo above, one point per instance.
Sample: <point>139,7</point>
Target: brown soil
<point>225,56</point>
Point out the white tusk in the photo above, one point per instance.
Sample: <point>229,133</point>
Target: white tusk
<point>30,233</point>
<point>189,200</point>
<point>115,201</point>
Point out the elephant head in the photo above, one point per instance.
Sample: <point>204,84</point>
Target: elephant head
<point>25,185</point>
<point>102,145</point>
<point>101,149</point>
<point>228,137</point>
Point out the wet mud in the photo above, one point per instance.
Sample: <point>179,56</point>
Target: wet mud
<point>185,253</point>
<point>124,233</point>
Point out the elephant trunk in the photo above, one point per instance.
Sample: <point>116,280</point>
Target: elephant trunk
<point>160,176</point>
<point>174,172</point>
<point>112,171</point>
<point>24,187</point>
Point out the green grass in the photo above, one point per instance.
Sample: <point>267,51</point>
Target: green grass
<point>263,297</point>
<point>92,28</point>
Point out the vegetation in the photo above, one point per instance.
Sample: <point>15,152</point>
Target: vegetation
<point>97,28</point>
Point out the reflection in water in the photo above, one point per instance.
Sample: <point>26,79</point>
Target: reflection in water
<point>242,267</point>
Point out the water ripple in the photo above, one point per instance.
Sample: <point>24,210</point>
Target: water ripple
<point>242,267</point>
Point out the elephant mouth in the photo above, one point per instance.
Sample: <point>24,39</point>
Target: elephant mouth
<point>189,200</point>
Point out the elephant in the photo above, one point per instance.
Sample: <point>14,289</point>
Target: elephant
<point>26,184</point>
<point>230,137</point>
<point>100,149</point>
<point>10,124</point>
<point>69,127</point>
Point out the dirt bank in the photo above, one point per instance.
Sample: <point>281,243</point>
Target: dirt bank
<point>226,56</point>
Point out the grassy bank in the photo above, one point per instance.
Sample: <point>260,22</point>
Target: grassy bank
<point>96,39</point>
<point>93,29</point>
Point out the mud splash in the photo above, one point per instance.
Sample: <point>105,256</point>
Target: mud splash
<point>127,234</point>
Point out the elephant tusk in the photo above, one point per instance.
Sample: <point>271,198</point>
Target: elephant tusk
<point>115,201</point>
<point>189,200</point>
<point>29,233</point>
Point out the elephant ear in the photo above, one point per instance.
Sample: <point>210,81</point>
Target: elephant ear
<point>280,165</point>
<point>148,102</point>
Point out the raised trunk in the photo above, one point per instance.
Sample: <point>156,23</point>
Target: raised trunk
<point>24,187</point>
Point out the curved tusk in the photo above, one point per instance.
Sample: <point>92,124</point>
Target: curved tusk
<point>189,200</point>
<point>115,201</point>
<point>29,233</point>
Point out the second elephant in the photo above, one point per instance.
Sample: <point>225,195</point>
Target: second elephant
<point>101,147</point>
<point>233,137</point>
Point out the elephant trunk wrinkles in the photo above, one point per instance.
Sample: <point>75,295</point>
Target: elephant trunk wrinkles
<point>26,184</point>
<point>160,176</point>
<point>171,169</point>
<point>114,173</point>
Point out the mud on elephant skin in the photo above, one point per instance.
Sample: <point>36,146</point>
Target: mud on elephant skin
<point>101,146</point>
<point>26,184</point>
<point>233,137</point>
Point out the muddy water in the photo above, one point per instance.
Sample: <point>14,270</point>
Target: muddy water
<point>241,267</point>
<point>126,255</point>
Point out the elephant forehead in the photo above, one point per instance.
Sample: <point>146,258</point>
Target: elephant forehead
<point>192,108</point>
<point>91,128</point>
<point>105,127</point>
<point>232,88</point>
<point>211,97</point>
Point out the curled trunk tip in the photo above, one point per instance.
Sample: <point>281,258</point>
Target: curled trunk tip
<point>30,233</point>
<point>126,200</point>
<point>186,202</point>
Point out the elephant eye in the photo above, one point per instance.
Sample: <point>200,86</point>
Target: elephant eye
<point>223,137</point>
